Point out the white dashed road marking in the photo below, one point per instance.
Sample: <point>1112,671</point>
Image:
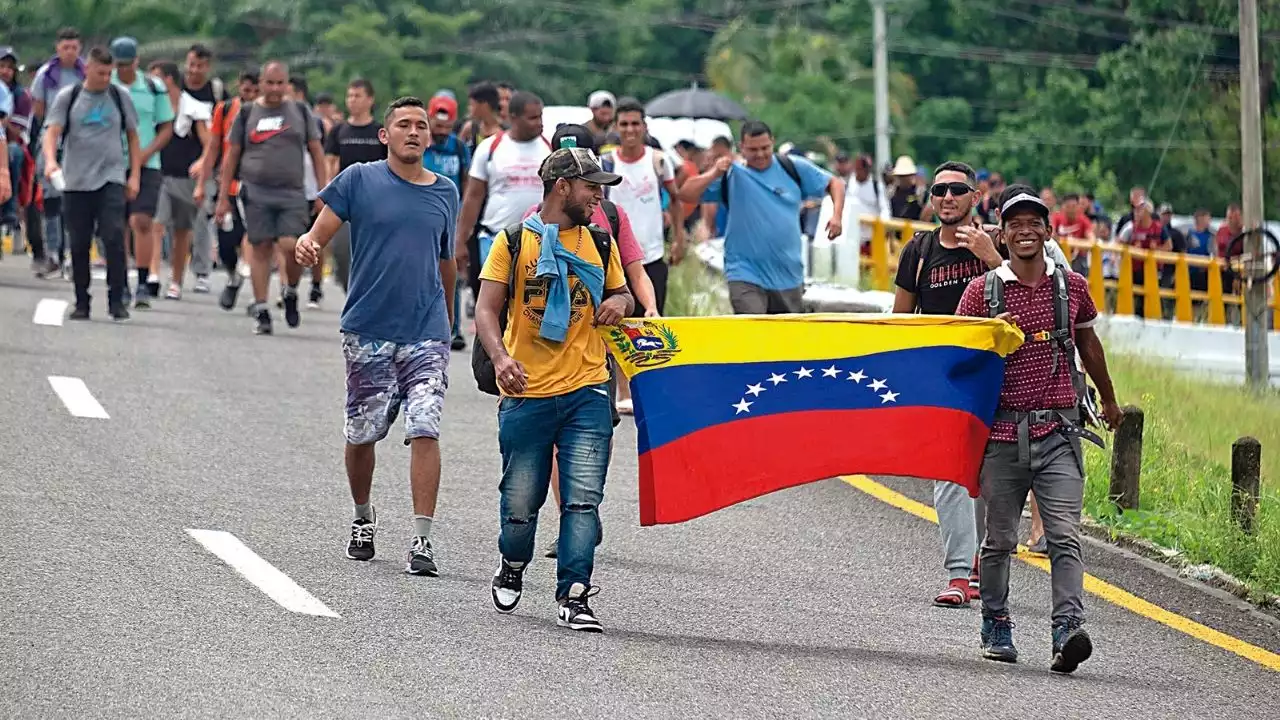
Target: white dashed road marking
<point>76,396</point>
<point>50,312</point>
<point>277,586</point>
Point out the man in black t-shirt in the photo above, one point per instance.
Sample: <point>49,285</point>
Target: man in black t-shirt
<point>193,97</point>
<point>354,141</point>
<point>933,272</point>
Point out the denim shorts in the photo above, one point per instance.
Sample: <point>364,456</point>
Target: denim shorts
<point>383,376</point>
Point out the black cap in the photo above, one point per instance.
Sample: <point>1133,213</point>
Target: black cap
<point>579,133</point>
<point>573,164</point>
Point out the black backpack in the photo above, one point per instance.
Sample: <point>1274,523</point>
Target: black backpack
<point>1060,336</point>
<point>481,363</point>
<point>113,91</point>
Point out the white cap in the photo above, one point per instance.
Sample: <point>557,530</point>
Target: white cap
<point>600,98</point>
<point>904,167</point>
<point>1024,198</point>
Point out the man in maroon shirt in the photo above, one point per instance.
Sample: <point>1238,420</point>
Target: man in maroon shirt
<point>1030,447</point>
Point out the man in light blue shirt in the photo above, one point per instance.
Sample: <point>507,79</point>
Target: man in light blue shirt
<point>763,249</point>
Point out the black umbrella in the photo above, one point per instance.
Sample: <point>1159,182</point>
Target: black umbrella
<point>694,102</point>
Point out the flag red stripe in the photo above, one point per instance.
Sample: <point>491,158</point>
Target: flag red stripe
<point>724,464</point>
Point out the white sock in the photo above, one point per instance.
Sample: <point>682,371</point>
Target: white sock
<point>422,526</point>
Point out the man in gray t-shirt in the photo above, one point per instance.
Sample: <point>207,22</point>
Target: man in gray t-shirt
<point>265,151</point>
<point>90,148</point>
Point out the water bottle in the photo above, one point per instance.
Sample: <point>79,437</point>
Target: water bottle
<point>58,181</point>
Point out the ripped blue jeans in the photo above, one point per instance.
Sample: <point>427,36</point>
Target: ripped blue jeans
<point>576,428</point>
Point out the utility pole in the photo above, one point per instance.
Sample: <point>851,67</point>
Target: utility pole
<point>1257,364</point>
<point>880,41</point>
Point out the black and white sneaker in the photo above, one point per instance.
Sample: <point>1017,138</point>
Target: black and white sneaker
<point>575,613</point>
<point>264,321</point>
<point>317,295</point>
<point>360,546</point>
<point>421,559</point>
<point>508,584</point>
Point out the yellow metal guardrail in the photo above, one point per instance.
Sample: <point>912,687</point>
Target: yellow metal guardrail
<point>888,237</point>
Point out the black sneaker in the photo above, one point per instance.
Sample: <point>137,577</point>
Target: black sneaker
<point>360,546</point>
<point>142,300</point>
<point>291,315</point>
<point>119,312</point>
<point>264,322</point>
<point>575,613</point>
<point>997,639</point>
<point>421,559</point>
<point>317,294</point>
<point>227,300</point>
<point>508,584</point>
<point>1071,646</point>
<point>80,313</point>
<point>459,343</point>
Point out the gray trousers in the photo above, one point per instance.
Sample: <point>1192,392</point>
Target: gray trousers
<point>961,520</point>
<point>1055,473</point>
<point>177,210</point>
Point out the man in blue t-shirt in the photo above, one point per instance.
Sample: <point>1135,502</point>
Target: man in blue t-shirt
<point>763,250</point>
<point>1199,242</point>
<point>395,325</point>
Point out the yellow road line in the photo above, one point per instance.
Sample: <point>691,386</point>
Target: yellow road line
<point>1101,588</point>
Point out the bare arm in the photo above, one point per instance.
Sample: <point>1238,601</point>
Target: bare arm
<point>693,190</point>
<point>488,305</point>
<point>331,163</point>
<point>449,276</point>
<point>228,175</point>
<point>1095,362</point>
<point>52,136</point>
<point>135,154</point>
<point>638,279</point>
<point>468,216</point>
<point>325,227</point>
<point>903,301</point>
<point>836,191</point>
<point>317,162</point>
<point>162,138</point>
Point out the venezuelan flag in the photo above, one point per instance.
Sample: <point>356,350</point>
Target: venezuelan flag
<point>731,408</point>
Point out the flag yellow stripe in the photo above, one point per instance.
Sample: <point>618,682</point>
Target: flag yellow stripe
<point>774,338</point>
<point>1101,588</point>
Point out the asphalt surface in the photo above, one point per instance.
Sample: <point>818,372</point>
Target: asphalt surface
<point>811,602</point>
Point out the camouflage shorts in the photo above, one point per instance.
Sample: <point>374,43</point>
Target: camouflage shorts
<point>382,376</point>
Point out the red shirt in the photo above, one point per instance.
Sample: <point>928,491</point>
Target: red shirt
<point>1149,237</point>
<point>1224,238</point>
<point>1079,228</point>
<point>1028,383</point>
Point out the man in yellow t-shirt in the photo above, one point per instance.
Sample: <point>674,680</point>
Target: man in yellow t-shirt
<point>550,367</point>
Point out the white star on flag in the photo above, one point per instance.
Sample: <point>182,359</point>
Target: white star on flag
<point>777,379</point>
<point>888,397</point>
<point>743,406</point>
<point>877,385</point>
<point>755,390</point>
<point>857,377</point>
<point>832,371</point>
<point>803,372</point>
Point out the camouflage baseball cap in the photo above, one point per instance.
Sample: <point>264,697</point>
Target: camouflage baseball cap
<point>576,163</point>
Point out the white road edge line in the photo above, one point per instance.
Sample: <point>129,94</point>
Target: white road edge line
<point>76,396</point>
<point>50,312</point>
<point>278,586</point>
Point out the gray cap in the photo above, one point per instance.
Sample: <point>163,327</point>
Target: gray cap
<point>124,50</point>
<point>1165,208</point>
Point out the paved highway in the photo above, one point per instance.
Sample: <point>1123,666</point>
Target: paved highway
<point>812,602</point>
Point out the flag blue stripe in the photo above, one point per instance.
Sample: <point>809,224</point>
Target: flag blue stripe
<point>675,401</point>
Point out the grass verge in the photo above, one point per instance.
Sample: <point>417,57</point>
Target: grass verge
<point>1185,504</point>
<point>1190,424</point>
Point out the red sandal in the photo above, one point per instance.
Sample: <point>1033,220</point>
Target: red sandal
<point>955,596</point>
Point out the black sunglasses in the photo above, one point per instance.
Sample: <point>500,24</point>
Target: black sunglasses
<point>958,189</point>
